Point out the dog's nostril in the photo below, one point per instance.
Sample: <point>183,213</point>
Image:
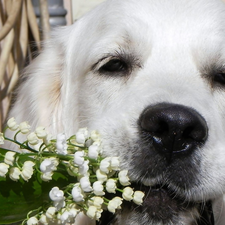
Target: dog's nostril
<point>173,128</point>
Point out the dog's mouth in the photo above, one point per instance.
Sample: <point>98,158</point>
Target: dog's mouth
<point>162,205</point>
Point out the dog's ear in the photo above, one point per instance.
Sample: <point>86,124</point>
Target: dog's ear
<point>42,96</point>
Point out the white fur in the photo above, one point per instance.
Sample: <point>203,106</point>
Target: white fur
<point>173,41</point>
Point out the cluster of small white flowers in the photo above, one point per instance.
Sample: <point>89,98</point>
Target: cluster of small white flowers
<point>81,156</point>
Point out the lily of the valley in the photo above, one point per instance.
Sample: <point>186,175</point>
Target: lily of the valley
<point>24,127</point>
<point>47,167</point>
<point>61,144</point>
<point>123,177</point>
<point>94,213</point>
<point>9,157</point>
<point>128,193</point>
<point>85,184</point>
<point>138,197</point>
<point>79,158</point>
<point>3,169</point>
<point>77,193</point>
<point>27,170</point>
<point>41,132</point>
<point>98,188</point>
<point>14,173</point>
<point>114,204</point>
<point>32,139</point>
<point>12,125</point>
<point>81,135</point>
<point>57,196</point>
<point>32,221</point>
<point>111,186</point>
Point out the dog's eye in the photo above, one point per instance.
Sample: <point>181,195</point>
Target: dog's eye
<point>219,78</point>
<point>113,66</point>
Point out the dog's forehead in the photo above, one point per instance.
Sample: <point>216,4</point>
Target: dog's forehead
<point>121,23</point>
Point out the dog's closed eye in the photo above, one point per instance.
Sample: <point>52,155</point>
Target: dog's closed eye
<point>219,78</point>
<point>114,66</point>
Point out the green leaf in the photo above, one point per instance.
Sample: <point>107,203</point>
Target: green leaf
<point>17,199</point>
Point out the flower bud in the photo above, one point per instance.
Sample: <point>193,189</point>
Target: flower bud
<point>50,213</point>
<point>128,193</point>
<point>111,186</point>
<point>77,193</point>
<point>79,158</point>
<point>138,197</point>
<point>98,188</point>
<point>9,157</point>
<point>32,221</point>
<point>14,173</point>
<point>3,169</point>
<point>85,184</point>
<point>12,125</point>
<point>114,204</point>
<point>24,127</point>
<point>41,132</point>
<point>101,176</point>
<point>32,138</point>
<point>123,178</point>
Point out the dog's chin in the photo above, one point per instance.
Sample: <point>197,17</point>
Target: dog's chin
<point>162,206</point>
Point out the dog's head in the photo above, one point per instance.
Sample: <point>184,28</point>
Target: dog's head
<point>150,76</point>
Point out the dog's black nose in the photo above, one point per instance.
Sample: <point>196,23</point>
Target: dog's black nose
<point>173,128</point>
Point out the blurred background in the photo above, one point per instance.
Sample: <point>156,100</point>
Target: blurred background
<point>23,25</point>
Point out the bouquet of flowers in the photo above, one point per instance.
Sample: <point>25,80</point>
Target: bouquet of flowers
<point>51,181</point>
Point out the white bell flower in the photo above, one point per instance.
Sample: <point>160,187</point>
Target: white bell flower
<point>105,165</point>
<point>96,201</point>
<point>32,221</point>
<point>98,188</point>
<point>32,138</point>
<point>3,169</point>
<point>41,132</point>
<point>95,136</point>
<point>101,176</point>
<point>115,163</point>
<point>138,197</point>
<point>77,193</point>
<point>61,144</point>
<point>24,127</point>
<point>9,157</point>
<point>56,194</point>
<point>50,213</point>
<point>111,186</point>
<point>12,125</point>
<point>94,213</point>
<point>83,169</point>
<point>81,135</point>
<point>93,151</point>
<point>49,165</point>
<point>128,193</point>
<point>114,204</point>
<point>14,173</point>
<point>79,158</point>
<point>123,178</point>
<point>27,170</point>
<point>85,184</point>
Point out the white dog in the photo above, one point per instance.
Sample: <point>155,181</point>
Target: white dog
<point>150,76</point>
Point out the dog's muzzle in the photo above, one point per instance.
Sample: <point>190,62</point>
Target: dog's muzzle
<point>174,129</point>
